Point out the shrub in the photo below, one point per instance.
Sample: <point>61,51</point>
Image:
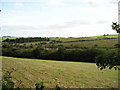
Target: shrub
<point>40,52</point>
<point>7,82</point>
<point>117,45</point>
<point>110,59</point>
<point>58,87</point>
<point>39,85</point>
<point>90,54</point>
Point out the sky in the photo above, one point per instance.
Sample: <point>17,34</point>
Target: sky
<point>57,18</point>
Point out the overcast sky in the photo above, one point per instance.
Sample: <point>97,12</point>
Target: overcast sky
<point>57,18</point>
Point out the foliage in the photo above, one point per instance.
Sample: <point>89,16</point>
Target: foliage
<point>117,45</point>
<point>58,87</point>
<point>108,59</point>
<point>24,40</point>
<point>39,52</point>
<point>63,49</point>
<point>39,85</point>
<point>116,27</point>
<point>84,55</point>
<point>7,82</point>
<point>6,45</point>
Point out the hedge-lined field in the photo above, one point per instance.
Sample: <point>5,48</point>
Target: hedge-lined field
<point>65,74</point>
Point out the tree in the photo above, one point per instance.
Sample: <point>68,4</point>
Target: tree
<point>116,27</point>
<point>110,60</point>
<point>40,53</point>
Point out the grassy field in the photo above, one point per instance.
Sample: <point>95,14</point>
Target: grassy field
<point>3,38</point>
<point>71,39</point>
<point>97,40</point>
<point>99,43</point>
<point>65,74</point>
<point>67,42</point>
<point>85,38</point>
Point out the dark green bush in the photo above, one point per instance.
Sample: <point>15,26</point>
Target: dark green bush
<point>83,55</point>
<point>110,59</point>
<point>39,52</point>
<point>58,87</point>
<point>7,82</point>
<point>39,85</point>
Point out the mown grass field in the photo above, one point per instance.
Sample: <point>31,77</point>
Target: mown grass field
<point>65,74</point>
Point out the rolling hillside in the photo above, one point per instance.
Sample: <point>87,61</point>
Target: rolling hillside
<point>65,74</point>
<point>107,41</point>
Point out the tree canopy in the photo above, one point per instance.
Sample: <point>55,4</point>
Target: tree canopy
<point>110,59</point>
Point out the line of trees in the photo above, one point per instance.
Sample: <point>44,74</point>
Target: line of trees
<point>62,54</point>
<point>25,40</point>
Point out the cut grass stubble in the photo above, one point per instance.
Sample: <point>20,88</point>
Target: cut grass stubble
<point>65,74</point>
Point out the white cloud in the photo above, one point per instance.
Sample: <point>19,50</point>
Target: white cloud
<point>67,29</point>
<point>19,4</point>
<point>55,2</point>
<point>20,0</point>
<point>101,22</point>
<point>92,18</point>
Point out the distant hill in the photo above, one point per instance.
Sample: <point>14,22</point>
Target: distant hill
<point>6,36</point>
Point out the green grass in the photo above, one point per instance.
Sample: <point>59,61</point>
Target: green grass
<point>107,36</point>
<point>3,38</point>
<point>70,39</point>
<point>99,43</point>
<point>65,74</point>
<point>98,40</point>
<point>85,38</point>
